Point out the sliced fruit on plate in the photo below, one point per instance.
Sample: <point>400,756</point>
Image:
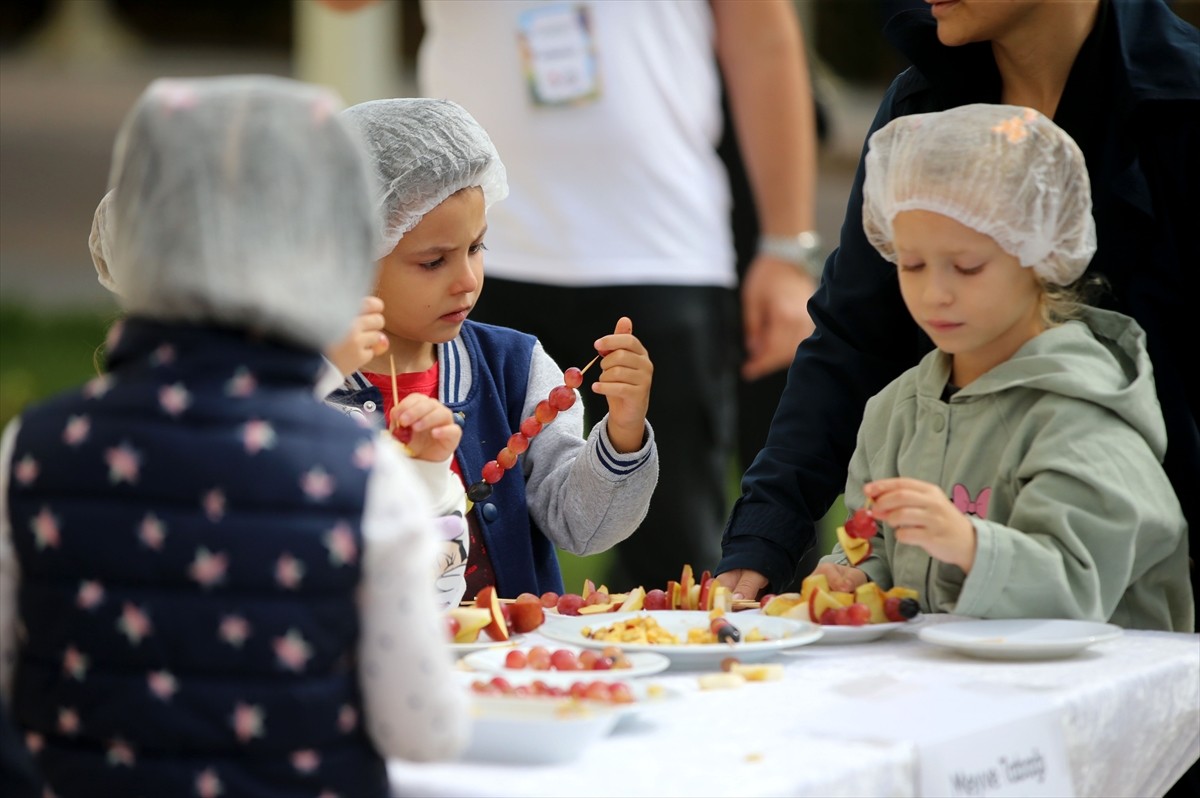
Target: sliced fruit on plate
<point>782,602</point>
<point>497,628</point>
<point>634,600</point>
<point>527,613</point>
<point>471,620</point>
<point>811,583</point>
<point>872,597</point>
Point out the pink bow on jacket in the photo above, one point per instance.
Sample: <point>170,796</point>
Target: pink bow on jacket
<point>977,507</point>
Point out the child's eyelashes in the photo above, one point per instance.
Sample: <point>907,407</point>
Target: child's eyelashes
<point>477,248</point>
<point>472,250</point>
<point>911,267</point>
<point>970,270</point>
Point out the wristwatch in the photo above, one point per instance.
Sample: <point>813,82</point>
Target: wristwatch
<point>802,250</point>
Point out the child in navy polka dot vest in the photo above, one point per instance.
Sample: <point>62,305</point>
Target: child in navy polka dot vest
<point>211,583</point>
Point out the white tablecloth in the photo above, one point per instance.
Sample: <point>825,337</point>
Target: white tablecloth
<point>1129,708</point>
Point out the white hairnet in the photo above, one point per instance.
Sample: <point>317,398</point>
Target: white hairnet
<point>1005,171</point>
<point>98,243</point>
<point>423,151</point>
<point>243,201</point>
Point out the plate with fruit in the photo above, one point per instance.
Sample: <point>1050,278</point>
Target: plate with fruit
<point>567,664</point>
<point>690,639</point>
<point>489,622</point>
<point>627,698</point>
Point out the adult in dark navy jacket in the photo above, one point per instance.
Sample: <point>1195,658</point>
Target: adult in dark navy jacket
<point>1123,78</point>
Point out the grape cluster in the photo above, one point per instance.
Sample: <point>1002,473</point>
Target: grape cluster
<point>561,397</point>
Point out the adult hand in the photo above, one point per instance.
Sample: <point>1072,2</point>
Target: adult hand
<point>364,342</point>
<point>743,583</point>
<point>923,516</point>
<point>625,378</point>
<point>435,435</point>
<point>775,317</point>
<point>842,578</point>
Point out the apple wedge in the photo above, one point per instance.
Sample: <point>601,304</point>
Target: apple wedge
<point>781,603</point>
<point>856,549</point>
<point>811,583</point>
<point>471,621</point>
<point>872,596</point>
<point>497,629</point>
<point>635,600</point>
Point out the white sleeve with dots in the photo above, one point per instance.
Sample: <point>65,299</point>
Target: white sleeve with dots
<point>415,708</point>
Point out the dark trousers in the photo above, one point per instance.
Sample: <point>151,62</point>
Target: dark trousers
<point>690,334</point>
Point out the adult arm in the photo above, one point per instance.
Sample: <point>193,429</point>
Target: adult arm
<point>864,338</point>
<point>583,493</point>
<point>761,53</point>
<point>414,707</point>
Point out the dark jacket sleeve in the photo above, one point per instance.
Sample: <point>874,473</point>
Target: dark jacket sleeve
<point>864,338</point>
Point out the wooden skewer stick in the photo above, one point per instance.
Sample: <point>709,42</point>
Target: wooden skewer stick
<point>395,392</point>
<point>589,365</point>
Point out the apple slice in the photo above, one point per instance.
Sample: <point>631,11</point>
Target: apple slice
<point>721,597</point>
<point>901,593</point>
<point>811,583</point>
<point>589,587</point>
<point>856,549</point>
<point>820,601</point>
<point>673,597</point>
<point>703,601</point>
<point>686,582</point>
<point>635,600</point>
<point>470,621</point>
<point>595,609</point>
<point>800,612</point>
<point>487,599</point>
<point>781,603</point>
<point>872,596</point>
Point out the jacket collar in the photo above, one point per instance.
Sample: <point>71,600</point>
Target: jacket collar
<point>1159,55</point>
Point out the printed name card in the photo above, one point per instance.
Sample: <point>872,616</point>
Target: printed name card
<point>1020,756</point>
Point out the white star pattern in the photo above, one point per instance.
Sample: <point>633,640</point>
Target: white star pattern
<point>306,761</point>
<point>257,436</point>
<point>68,721</point>
<point>152,532</point>
<point>214,504</point>
<point>234,630</point>
<point>97,387</point>
<point>75,663</point>
<point>26,471</point>
<point>248,720</point>
<point>120,753</point>
<point>124,463</point>
<point>134,623</point>
<point>163,355</point>
<point>174,399</point>
<point>76,431</point>
<point>292,651</point>
<point>91,593</point>
<point>208,784</point>
<point>288,571</point>
<point>241,384</point>
<point>340,542</point>
<point>207,568</point>
<point>364,456</point>
<point>46,533</point>
<point>317,484</point>
<point>163,684</point>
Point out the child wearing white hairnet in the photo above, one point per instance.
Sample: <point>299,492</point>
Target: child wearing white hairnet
<point>538,486</point>
<point>1017,469</point>
<point>223,584</point>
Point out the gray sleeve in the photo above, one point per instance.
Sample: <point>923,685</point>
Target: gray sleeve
<point>584,495</point>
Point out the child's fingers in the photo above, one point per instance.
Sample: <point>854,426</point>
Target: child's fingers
<point>372,304</point>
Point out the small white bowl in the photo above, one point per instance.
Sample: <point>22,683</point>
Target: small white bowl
<point>537,731</point>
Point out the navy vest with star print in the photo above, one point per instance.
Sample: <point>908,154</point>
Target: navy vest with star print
<point>188,529</point>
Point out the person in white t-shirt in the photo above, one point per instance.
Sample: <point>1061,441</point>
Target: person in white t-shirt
<point>609,115</point>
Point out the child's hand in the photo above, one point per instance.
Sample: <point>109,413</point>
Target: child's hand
<point>435,436</point>
<point>364,342</point>
<point>923,516</point>
<point>843,578</point>
<point>626,373</point>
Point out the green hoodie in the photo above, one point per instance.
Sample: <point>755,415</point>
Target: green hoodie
<point>1056,456</point>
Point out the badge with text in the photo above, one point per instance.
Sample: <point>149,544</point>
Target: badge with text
<point>1022,756</point>
<point>558,55</point>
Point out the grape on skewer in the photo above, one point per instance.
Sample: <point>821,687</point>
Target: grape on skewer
<point>561,397</point>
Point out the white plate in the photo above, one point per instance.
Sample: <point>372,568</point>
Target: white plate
<point>837,635</point>
<point>648,694</point>
<point>784,633</point>
<point>528,731</point>
<point>1027,638</point>
<point>643,663</point>
<point>485,643</point>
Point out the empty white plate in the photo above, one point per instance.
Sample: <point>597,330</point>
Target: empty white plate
<point>1021,638</point>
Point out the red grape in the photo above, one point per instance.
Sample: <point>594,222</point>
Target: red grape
<point>506,458</point>
<point>549,599</point>
<point>573,377</point>
<point>530,427</point>
<point>563,659</point>
<point>569,604</point>
<point>544,412</point>
<point>518,443</point>
<point>861,524</point>
<point>561,397</point>
<point>539,658</point>
<point>492,471</point>
<point>516,659</point>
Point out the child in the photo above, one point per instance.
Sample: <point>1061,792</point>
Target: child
<point>438,172</point>
<point>1017,469</point>
<point>224,587</point>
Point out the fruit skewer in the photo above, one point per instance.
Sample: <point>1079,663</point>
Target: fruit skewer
<point>561,397</point>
